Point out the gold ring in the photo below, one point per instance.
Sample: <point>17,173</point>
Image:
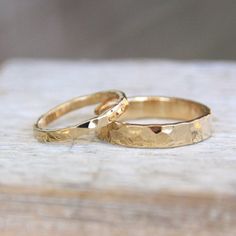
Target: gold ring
<point>193,123</point>
<point>82,129</point>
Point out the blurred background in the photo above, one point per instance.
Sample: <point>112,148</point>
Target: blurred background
<point>178,29</point>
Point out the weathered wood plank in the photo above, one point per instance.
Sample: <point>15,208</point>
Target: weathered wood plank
<point>86,212</point>
<point>92,187</point>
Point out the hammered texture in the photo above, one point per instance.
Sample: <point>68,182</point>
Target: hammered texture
<point>61,135</point>
<point>157,136</point>
<point>82,130</point>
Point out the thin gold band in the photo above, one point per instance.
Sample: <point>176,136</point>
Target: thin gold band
<point>194,125</point>
<point>82,129</point>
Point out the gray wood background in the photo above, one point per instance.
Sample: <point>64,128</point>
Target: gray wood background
<point>94,188</point>
<point>184,29</point>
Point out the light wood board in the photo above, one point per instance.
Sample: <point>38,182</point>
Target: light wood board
<point>94,188</point>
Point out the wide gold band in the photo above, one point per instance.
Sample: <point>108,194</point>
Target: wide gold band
<point>82,129</point>
<point>194,125</point>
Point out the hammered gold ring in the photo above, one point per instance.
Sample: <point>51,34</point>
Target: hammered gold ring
<point>192,126</point>
<point>83,129</point>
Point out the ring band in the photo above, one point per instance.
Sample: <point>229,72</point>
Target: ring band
<point>82,129</point>
<point>193,127</point>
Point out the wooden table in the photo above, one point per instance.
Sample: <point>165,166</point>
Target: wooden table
<point>94,188</point>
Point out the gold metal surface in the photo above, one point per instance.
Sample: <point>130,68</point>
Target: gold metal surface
<point>83,129</point>
<point>193,125</point>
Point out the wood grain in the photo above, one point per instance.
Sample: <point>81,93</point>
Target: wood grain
<point>92,188</point>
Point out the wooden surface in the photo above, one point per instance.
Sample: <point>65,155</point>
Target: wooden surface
<point>94,188</point>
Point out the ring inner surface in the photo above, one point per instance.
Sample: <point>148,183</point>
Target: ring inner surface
<point>164,108</point>
<point>75,104</point>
